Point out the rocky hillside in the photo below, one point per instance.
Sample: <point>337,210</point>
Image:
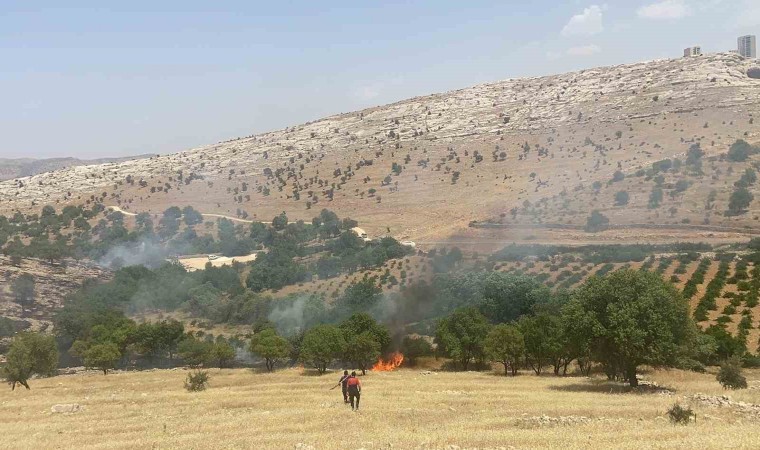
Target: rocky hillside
<point>520,151</point>
<point>52,283</point>
<point>26,167</point>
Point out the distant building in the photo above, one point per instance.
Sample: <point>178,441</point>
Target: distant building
<point>747,46</point>
<point>692,51</point>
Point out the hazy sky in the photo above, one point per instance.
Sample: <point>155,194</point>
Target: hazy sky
<point>92,80</point>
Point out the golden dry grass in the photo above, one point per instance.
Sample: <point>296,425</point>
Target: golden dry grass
<point>404,409</point>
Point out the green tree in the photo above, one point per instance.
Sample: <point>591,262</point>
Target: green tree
<point>681,186</point>
<point>144,223</point>
<point>23,289</point>
<point>730,374</point>
<point>273,271</point>
<point>102,356</point>
<point>360,296</point>
<point>364,323</point>
<point>634,318</point>
<point>194,352</point>
<point>739,200</point>
<point>362,350</point>
<point>222,353</point>
<point>694,154</point>
<point>158,339</point>
<point>191,216</point>
<point>169,223</point>
<point>502,297</point>
<point>414,348</point>
<point>171,333</point>
<point>80,223</point>
<point>280,222</point>
<point>655,198</point>
<point>576,340</point>
<point>543,341</point>
<point>740,151</point>
<point>321,346</point>
<point>505,344</point>
<point>596,222</point>
<point>29,354</point>
<point>270,346</point>
<point>147,340</point>
<point>621,198</point>
<point>462,335</point>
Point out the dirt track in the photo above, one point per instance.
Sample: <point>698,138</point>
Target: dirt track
<point>220,216</point>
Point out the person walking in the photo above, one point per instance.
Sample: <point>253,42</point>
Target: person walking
<point>354,391</point>
<point>344,385</point>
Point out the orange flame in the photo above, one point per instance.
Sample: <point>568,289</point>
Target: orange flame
<point>392,363</point>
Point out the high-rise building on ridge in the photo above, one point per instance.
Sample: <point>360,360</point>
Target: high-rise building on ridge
<point>748,46</point>
<point>692,51</point>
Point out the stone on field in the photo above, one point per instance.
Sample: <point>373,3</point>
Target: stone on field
<point>66,408</point>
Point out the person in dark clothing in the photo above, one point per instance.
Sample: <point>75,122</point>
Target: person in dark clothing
<point>354,391</point>
<point>344,385</point>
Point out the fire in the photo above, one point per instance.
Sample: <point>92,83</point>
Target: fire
<point>392,363</point>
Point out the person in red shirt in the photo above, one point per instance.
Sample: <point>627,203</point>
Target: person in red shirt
<point>354,391</point>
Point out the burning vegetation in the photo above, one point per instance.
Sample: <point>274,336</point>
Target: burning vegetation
<point>393,362</point>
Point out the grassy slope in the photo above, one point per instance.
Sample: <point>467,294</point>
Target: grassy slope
<point>406,409</point>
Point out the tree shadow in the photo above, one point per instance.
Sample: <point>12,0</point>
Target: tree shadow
<point>305,372</point>
<point>612,387</point>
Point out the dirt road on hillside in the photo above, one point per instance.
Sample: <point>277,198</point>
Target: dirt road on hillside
<point>219,216</point>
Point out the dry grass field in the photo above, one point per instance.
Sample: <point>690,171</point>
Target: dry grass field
<point>403,409</point>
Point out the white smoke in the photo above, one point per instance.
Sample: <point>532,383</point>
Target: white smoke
<point>144,252</point>
<point>289,318</point>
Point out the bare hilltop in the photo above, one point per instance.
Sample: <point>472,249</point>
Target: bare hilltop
<point>531,156</point>
<point>25,167</point>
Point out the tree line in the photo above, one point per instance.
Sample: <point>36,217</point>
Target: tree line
<point>616,322</point>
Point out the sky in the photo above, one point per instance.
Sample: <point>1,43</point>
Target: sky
<point>91,80</point>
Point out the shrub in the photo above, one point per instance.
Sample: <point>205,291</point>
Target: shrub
<point>655,198</point>
<point>730,374</point>
<point>751,361</point>
<point>596,222</point>
<point>740,151</point>
<point>621,198</point>
<point>680,415</point>
<point>197,381</point>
